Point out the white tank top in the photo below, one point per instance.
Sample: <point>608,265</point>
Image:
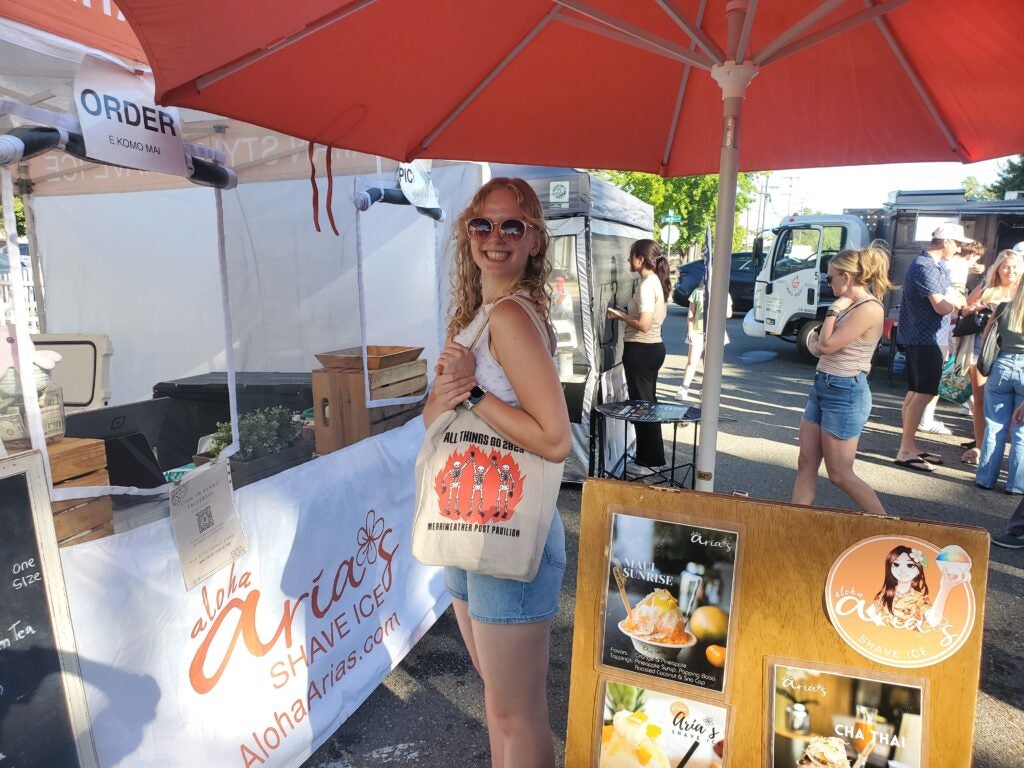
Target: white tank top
<point>489,373</point>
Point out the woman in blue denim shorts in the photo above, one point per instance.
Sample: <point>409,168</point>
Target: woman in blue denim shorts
<point>840,400</point>
<point>509,378</point>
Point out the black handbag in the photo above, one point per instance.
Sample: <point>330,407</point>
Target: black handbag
<point>974,323</point>
<point>990,344</point>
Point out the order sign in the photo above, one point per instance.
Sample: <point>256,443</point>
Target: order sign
<point>902,601</point>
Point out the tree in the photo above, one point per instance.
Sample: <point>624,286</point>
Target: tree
<point>693,198</point>
<point>975,190</point>
<point>1011,177</point>
<point>19,216</point>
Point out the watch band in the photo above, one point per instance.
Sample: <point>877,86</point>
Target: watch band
<point>831,313</point>
<point>476,394</point>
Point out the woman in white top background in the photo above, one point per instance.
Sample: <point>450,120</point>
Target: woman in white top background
<point>643,350</point>
<point>840,400</point>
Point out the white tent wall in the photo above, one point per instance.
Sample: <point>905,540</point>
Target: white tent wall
<point>142,268</point>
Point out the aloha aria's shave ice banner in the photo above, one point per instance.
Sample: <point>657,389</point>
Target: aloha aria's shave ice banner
<point>261,663</point>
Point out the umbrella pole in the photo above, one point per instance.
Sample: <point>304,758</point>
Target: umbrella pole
<point>733,79</point>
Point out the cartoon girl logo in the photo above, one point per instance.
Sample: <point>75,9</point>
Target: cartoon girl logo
<point>903,601</point>
<point>902,622</point>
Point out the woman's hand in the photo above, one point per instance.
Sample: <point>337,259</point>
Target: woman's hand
<point>451,389</point>
<point>1018,415</point>
<point>615,314</point>
<point>456,358</point>
<point>841,303</point>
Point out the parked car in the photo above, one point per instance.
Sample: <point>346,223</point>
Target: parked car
<point>741,281</point>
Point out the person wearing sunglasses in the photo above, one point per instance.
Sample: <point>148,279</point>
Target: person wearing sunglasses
<point>510,380</point>
<point>643,350</point>
<point>840,400</point>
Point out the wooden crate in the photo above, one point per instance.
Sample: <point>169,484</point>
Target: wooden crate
<point>80,462</point>
<point>340,415</point>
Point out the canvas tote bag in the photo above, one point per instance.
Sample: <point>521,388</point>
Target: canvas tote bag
<point>483,503</point>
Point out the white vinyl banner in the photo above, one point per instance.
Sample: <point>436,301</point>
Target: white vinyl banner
<point>120,122</point>
<point>259,665</point>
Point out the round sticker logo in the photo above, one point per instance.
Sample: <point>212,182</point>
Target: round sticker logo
<point>902,601</point>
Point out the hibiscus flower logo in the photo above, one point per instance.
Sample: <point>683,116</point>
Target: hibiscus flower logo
<point>368,538</point>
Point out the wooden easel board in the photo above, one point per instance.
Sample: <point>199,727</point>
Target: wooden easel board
<point>777,615</point>
<point>44,720</point>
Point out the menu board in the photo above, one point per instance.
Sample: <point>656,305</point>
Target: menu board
<point>713,631</point>
<point>42,701</point>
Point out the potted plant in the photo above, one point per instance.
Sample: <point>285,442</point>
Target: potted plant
<point>269,442</point>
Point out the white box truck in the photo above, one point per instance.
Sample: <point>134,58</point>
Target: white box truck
<point>791,294</point>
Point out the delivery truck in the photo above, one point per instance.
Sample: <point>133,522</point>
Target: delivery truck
<point>791,294</point>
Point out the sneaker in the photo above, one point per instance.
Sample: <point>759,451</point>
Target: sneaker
<point>1009,540</point>
<point>682,394</point>
<point>935,427</point>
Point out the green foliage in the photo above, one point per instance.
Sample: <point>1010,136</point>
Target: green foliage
<point>975,190</point>
<point>693,198</point>
<point>260,433</point>
<point>1011,177</point>
<point>19,216</point>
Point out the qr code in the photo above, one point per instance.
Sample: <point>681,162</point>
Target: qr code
<point>204,519</point>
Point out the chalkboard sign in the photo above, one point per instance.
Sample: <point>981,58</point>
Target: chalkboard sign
<point>43,715</point>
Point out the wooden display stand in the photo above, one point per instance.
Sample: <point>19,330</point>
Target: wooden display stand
<point>778,610</point>
<point>341,417</point>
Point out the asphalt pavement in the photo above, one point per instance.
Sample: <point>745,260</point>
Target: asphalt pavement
<point>429,711</point>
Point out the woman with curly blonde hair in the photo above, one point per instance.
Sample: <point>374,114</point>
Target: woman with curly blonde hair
<point>840,400</point>
<point>497,362</point>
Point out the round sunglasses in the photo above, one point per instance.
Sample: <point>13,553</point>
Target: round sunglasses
<point>509,230</point>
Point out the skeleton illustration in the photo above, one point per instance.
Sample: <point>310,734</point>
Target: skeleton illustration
<point>479,473</point>
<point>506,487</point>
<point>450,485</point>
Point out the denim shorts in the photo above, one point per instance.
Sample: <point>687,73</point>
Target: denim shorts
<point>504,601</point>
<point>840,405</point>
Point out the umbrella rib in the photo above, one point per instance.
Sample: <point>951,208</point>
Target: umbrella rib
<point>922,92</point>
<point>646,39</point>
<point>242,62</point>
<point>744,41</point>
<point>669,50</point>
<point>805,23</point>
<point>667,154</point>
<point>697,35</point>
<point>869,14</point>
<point>443,125</point>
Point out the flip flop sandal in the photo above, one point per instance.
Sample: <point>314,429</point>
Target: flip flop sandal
<point>931,458</point>
<point>919,465</point>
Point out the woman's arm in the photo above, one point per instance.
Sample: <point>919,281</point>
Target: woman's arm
<point>641,323</point>
<point>541,422</point>
<point>453,379</point>
<point>864,322</point>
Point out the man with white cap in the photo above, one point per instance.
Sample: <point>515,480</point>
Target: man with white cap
<point>924,332</point>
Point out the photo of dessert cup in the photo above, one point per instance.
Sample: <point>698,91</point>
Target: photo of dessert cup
<point>953,560</point>
<point>657,626</point>
<point>631,740</point>
<point>824,752</point>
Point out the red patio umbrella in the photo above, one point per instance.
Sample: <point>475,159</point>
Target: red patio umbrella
<point>624,84</point>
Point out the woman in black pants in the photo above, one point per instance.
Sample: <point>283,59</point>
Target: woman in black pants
<point>643,351</point>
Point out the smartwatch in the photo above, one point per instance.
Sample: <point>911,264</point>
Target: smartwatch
<point>831,313</point>
<point>476,394</point>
